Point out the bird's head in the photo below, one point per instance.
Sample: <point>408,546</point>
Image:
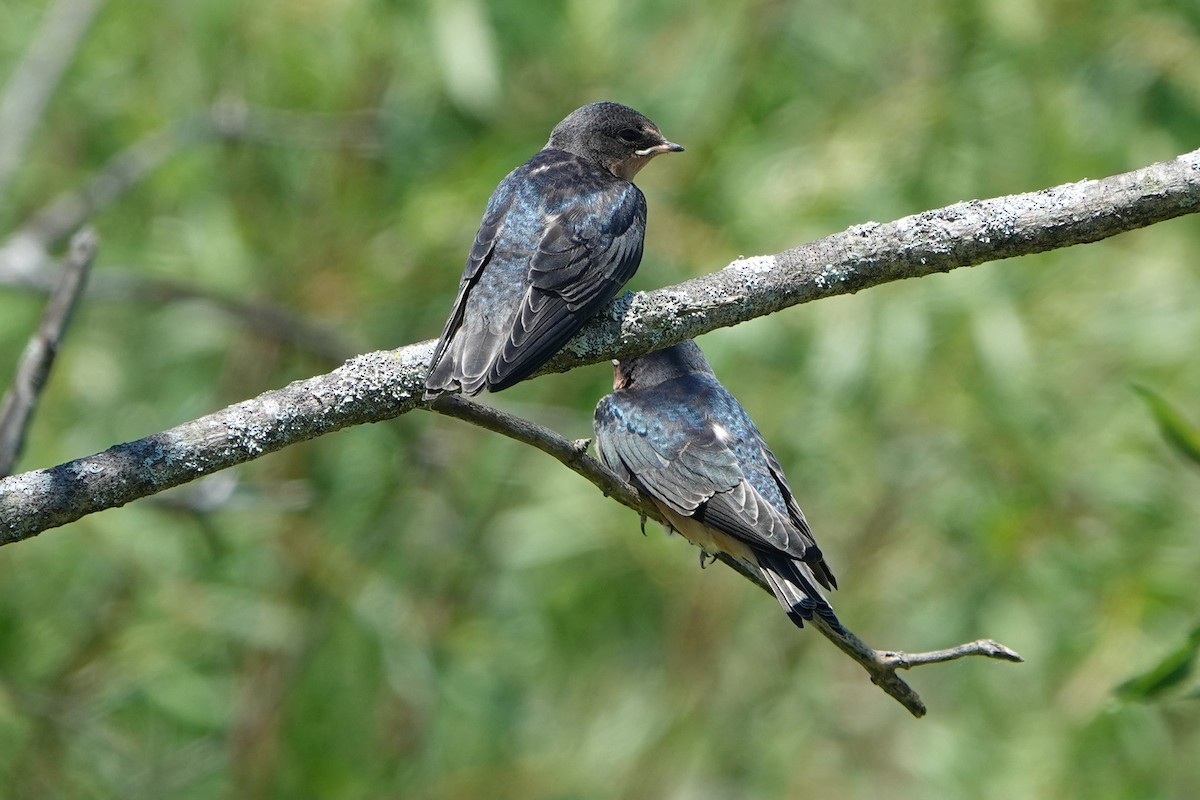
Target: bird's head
<point>612,135</point>
<point>642,372</point>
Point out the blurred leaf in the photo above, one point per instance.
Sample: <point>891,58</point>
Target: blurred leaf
<point>191,696</point>
<point>1176,428</point>
<point>1172,670</point>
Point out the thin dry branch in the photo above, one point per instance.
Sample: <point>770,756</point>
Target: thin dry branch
<point>572,454</point>
<point>25,262</point>
<point>16,412</point>
<point>881,665</point>
<point>383,385</point>
<point>263,318</point>
<point>228,119</point>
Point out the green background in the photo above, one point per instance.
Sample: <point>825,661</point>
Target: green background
<point>423,609</point>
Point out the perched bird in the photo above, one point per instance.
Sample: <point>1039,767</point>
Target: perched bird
<point>561,235</point>
<point>674,433</point>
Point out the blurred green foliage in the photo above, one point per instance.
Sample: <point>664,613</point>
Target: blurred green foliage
<point>1175,427</point>
<point>422,609</point>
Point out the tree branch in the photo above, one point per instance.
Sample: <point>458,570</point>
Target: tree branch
<point>572,454</point>
<point>266,319</point>
<point>228,119</point>
<point>16,411</point>
<point>24,260</point>
<point>382,385</point>
<point>881,665</point>
<point>961,235</point>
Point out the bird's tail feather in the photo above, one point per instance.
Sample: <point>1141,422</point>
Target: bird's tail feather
<point>461,365</point>
<point>794,586</point>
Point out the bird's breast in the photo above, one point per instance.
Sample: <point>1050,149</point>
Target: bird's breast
<point>710,540</point>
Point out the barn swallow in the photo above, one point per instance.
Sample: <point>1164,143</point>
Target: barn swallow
<point>559,238</point>
<point>677,436</point>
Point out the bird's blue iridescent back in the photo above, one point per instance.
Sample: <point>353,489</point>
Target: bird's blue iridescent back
<point>676,412</point>
<point>559,238</point>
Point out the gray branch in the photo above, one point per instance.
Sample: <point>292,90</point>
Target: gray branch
<point>25,262</point>
<point>228,119</point>
<point>382,385</point>
<point>16,411</point>
<point>118,285</point>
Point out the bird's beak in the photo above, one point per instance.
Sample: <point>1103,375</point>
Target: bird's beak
<point>664,147</point>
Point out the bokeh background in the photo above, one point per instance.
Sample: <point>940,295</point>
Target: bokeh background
<point>424,609</point>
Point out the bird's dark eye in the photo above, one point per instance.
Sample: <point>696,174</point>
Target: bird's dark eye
<point>629,135</point>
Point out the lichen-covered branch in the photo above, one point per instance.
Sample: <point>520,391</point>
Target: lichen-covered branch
<point>369,388</point>
<point>961,235</point>
<point>382,385</point>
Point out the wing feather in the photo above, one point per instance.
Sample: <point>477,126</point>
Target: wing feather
<point>580,265</point>
<point>682,460</point>
<point>685,464</point>
<point>665,443</point>
<point>480,254</point>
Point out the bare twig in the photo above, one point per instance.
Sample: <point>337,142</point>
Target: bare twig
<point>988,648</point>
<point>25,262</point>
<point>881,665</point>
<point>227,120</point>
<point>262,317</point>
<point>21,400</point>
<point>385,384</point>
<point>572,454</point>
<point>35,78</point>
<point>42,274</point>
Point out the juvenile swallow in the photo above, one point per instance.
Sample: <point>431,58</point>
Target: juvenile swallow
<point>675,434</point>
<point>560,236</point>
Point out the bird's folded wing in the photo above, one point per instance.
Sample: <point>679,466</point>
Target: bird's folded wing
<point>586,255</point>
<point>480,254</point>
<point>683,463</point>
<point>593,242</point>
